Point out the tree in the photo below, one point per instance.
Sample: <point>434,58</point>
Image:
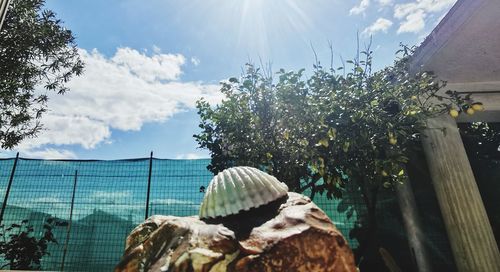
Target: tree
<point>21,248</point>
<point>261,125</point>
<point>36,53</point>
<point>333,128</point>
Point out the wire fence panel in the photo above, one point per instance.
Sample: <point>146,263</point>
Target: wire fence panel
<point>176,184</point>
<point>111,198</point>
<point>5,171</point>
<point>109,202</point>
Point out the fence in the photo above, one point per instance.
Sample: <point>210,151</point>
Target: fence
<point>100,202</point>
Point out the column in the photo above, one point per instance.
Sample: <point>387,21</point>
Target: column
<point>469,230</point>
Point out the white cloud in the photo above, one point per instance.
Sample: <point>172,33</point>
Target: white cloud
<point>121,92</point>
<point>413,14</point>
<point>415,22</point>
<point>156,49</point>
<point>385,2</point>
<point>189,156</point>
<point>47,153</point>
<point>195,61</point>
<point>149,68</point>
<point>363,5</point>
<point>381,24</point>
<point>72,127</point>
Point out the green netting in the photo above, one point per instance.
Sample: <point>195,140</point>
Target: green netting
<point>110,200</point>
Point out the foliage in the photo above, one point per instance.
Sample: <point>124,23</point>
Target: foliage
<point>482,141</point>
<point>36,53</point>
<point>333,128</point>
<point>325,128</point>
<point>261,125</point>
<point>21,248</point>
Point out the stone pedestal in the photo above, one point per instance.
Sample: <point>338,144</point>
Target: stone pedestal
<point>291,235</point>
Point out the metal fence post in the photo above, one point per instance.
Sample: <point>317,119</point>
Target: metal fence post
<point>70,221</point>
<point>149,185</point>
<point>4,204</point>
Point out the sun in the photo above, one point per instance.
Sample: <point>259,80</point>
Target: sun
<point>258,23</point>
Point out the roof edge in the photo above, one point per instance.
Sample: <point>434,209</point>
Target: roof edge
<point>458,15</point>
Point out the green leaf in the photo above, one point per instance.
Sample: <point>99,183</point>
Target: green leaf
<point>323,142</point>
<point>332,134</point>
<point>345,147</point>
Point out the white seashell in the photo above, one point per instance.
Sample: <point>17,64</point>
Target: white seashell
<point>240,189</point>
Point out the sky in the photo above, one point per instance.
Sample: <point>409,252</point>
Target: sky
<point>147,62</point>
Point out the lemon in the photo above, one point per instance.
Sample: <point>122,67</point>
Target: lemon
<point>454,113</point>
<point>413,97</point>
<point>470,111</point>
<point>393,141</point>
<point>477,107</point>
<point>384,173</point>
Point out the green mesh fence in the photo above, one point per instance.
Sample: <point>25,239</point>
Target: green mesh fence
<point>110,200</point>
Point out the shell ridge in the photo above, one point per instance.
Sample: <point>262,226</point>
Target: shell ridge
<point>211,205</point>
<point>204,204</point>
<point>238,189</point>
<point>250,192</point>
<point>232,190</point>
<point>276,188</point>
<point>225,184</point>
<point>274,184</point>
<point>271,192</point>
<point>222,200</point>
<point>259,197</point>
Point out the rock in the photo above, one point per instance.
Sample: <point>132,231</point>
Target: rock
<point>290,234</point>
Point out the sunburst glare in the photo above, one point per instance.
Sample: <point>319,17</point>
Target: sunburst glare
<point>258,23</point>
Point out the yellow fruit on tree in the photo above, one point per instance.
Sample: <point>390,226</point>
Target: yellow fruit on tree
<point>413,97</point>
<point>477,107</point>
<point>470,111</point>
<point>393,141</point>
<point>384,173</point>
<point>454,113</point>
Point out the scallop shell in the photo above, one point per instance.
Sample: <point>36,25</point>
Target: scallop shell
<point>239,189</point>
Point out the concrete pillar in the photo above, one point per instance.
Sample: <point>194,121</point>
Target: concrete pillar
<point>469,230</point>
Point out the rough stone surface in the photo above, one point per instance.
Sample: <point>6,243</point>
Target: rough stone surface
<point>291,234</point>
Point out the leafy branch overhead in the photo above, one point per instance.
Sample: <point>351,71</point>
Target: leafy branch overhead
<point>37,54</point>
<point>338,125</point>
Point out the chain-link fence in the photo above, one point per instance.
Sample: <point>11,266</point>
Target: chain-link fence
<point>97,203</point>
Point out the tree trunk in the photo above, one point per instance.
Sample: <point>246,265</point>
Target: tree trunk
<point>413,227</point>
<point>370,199</point>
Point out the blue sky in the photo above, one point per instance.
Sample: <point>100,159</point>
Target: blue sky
<point>147,62</point>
